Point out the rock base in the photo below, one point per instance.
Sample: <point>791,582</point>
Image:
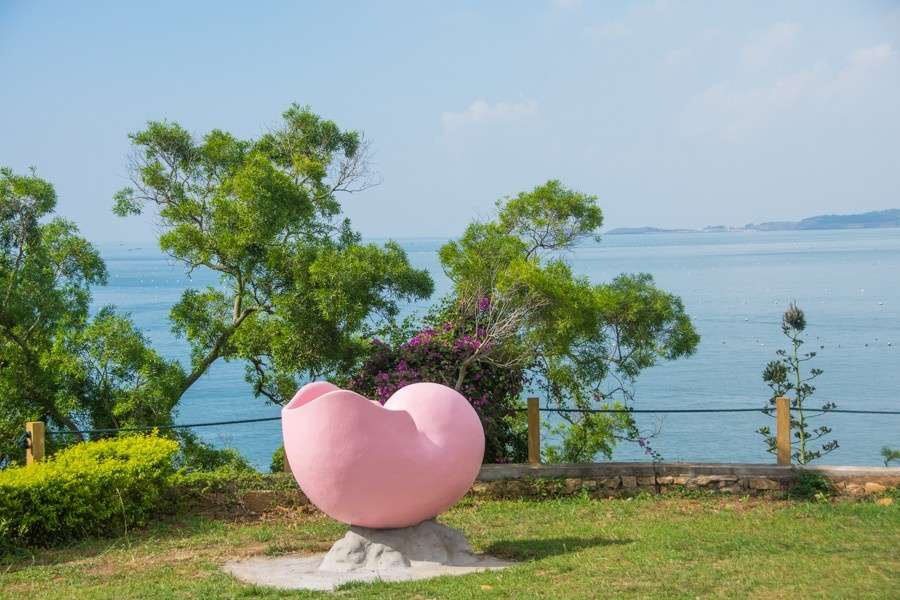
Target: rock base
<point>426,550</point>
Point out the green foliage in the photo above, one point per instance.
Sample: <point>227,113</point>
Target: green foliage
<point>585,437</point>
<point>298,292</point>
<point>95,488</point>
<point>579,345</point>
<point>196,455</point>
<point>550,216</point>
<point>890,455</point>
<point>223,487</point>
<point>223,479</point>
<point>809,485</point>
<point>545,487</point>
<point>786,375</point>
<point>125,382</point>
<point>278,458</point>
<point>56,364</point>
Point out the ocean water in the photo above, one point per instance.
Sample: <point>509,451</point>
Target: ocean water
<point>735,286</point>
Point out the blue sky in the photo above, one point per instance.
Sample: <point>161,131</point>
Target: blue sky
<point>673,113</point>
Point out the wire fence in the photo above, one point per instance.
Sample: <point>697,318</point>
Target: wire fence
<point>23,441</point>
<point>159,427</point>
<point>764,410</point>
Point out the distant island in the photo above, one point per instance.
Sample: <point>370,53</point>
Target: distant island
<point>870,220</point>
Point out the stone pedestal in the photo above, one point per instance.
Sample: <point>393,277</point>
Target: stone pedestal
<point>384,549</point>
<point>426,550</point>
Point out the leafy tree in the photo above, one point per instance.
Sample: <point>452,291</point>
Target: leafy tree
<point>582,344</point>
<point>786,375</point>
<point>889,455</point>
<point>298,292</point>
<point>56,363</point>
<point>123,381</point>
<point>520,308</point>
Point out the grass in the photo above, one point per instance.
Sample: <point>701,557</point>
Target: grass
<point>669,547</point>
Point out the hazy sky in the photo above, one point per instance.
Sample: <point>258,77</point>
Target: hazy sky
<point>673,113</point>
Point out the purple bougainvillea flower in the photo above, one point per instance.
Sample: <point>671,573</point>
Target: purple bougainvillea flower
<point>435,355</point>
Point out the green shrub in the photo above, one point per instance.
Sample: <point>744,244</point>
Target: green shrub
<point>191,491</point>
<point>93,488</point>
<point>277,465</point>
<point>229,480</point>
<point>810,486</point>
<point>224,479</point>
<point>197,455</point>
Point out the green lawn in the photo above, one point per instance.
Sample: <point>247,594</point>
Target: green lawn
<point>570,548</point>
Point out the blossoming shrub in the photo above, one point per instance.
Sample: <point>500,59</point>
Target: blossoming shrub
<point>435,354</point>
<point>94,488</point>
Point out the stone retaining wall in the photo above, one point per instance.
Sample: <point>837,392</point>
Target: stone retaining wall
<point>601,480</point>
<point>623,478</point>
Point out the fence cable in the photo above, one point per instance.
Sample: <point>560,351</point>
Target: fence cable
<point>637,410</point>
<point>153,427</point>
<point>765,410</point>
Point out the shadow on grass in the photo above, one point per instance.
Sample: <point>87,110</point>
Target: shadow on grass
<point>537,548</point>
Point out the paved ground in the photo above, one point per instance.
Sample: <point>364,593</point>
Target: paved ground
<point>301,572</point>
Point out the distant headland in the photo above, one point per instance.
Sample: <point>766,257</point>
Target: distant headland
<point>869,220</point>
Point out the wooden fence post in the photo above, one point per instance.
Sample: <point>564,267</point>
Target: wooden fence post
<point>35,451</point>
<point>783,429</point>
<point>534,432</point>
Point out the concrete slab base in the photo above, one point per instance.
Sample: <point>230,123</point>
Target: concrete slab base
<point>426,550</point>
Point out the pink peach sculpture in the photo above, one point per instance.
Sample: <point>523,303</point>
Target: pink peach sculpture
<point>382,466</point>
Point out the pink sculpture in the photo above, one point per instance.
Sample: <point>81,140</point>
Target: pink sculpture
<point>380,466</point>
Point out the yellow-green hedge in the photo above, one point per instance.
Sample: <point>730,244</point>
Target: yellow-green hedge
<point>94,488</point>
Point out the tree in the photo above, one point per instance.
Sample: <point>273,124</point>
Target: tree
<point>517,306</point>
<point>123,381</point>
<point>57,364</point>
<point>299,293</point>
<point>889,455</point>
<point>583,344</point>
<point>786,375</point>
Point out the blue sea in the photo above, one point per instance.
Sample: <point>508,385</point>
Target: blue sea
<point>734,285</point>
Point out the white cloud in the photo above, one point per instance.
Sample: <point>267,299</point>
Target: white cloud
<point>482,112</point>
<point>767,45</point>
<point>734,111</point>
<point>861,67</point>
<point>873,56</point>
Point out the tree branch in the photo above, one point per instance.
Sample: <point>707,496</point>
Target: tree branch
<point>215,352</point>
